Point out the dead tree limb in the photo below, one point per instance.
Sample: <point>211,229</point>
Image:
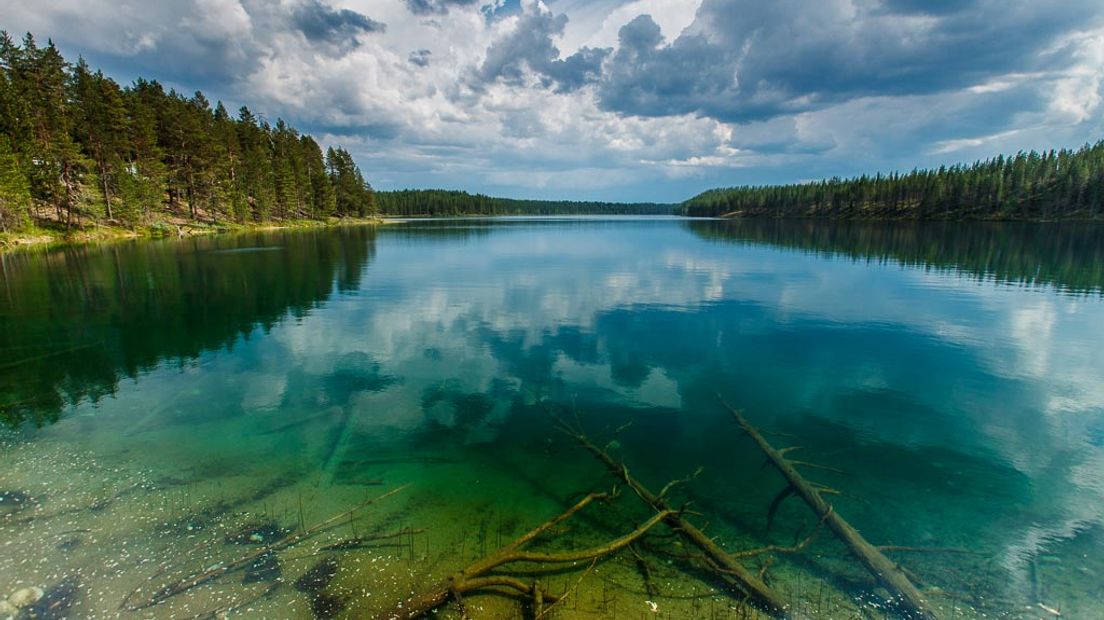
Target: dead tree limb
<point>750,553</point>
<point>183,585</point>
<point>886,571</point>
<point>732,572</point>
<point>478,576</point>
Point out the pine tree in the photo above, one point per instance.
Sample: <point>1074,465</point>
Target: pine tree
<point>74,141</point>
<point>354,196</point>
<point>15,191</point>
<point>322,191</point>
<point>100,126</point>
<point>40,79</point>
<point>231,190</point>
<point>142,187</point>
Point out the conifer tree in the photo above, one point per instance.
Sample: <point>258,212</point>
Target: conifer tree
<point>15,191</point>
<point>100,127</point>
<point>77,144</point>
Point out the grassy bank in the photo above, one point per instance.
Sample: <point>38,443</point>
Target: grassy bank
<point>49,235</point>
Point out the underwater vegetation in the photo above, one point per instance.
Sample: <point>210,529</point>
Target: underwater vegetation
<point>313,584</point>
<point>13,501</point>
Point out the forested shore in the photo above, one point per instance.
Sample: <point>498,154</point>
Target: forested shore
<point>1053,185</point>
<point>78,151</point>
<point>439,202</point>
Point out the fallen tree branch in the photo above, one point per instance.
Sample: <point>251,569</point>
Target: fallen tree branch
<point>477,576</point>
<point>730,571</point>
<point>886,571</point>
<point>750,553</point>
<point>360,542</point>
<point>817,466</point>
<point>224,611</point>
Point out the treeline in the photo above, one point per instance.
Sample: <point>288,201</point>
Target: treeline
<point>439,202</point>
<point>75,147</point>
<point>1067,256</point>
<point>1062,184</point>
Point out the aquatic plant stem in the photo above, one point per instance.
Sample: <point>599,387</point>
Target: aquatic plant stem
<point>886,571</point>
<point>188,583</point>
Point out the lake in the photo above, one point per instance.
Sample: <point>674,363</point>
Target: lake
<point>171,407</point>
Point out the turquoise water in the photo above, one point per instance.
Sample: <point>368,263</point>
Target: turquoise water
<point>169,406</point>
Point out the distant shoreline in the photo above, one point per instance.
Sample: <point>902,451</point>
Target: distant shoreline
<point>904,218</point>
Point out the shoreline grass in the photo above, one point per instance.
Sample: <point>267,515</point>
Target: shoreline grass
<point>49,236</point>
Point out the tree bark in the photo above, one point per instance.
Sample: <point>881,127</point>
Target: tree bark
<point>732,572</point>
<point>884,570</point>
<point>475,577</point>
<point>106,189</point>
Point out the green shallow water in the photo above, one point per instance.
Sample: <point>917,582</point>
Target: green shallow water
<point>163,399</point>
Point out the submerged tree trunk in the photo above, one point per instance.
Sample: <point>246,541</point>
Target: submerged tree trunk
<point>718,560</point>
<point>888,574</point>
<point>477,576</point>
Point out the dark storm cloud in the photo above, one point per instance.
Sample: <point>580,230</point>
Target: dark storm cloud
<point>745,59</point>
<point>319,22</point>
<point>649,79</point>
<point>577,70</point>
<point>420,57</point>
<point>530,47</point>
<point>210,46</point>
<point>929,7</point>
<point>435,7</point>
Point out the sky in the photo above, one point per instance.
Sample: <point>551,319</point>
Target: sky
<point>625,100</point>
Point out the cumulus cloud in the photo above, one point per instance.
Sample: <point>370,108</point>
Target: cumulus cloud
<point>529,48</point>
<point>649,79</point>
<point>420,57</point>
<point>742,59</point>
<point>320,22</point>
<point>436,7</point>
<point>621,99</point>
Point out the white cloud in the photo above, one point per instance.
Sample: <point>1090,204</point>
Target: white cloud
<point>435,123</point>
<point>1077,96</point>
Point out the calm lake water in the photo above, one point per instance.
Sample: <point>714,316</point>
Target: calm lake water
<point>171,407</point>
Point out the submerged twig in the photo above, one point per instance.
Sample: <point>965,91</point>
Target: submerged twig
<point>560,600</point>
<point>193,581</point>
<point>799,547</point>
